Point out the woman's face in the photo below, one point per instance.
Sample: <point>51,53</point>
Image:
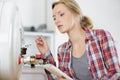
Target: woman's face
<point>63,18</point>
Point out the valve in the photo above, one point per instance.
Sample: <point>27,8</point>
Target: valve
<point>32,60</point>
<point>38,56</point>
<point>23,51</point>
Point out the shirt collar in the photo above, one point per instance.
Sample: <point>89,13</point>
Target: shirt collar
<point>89,34</point>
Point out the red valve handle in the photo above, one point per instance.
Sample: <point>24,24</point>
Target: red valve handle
<point>38,56</point>
<point>19,60</point>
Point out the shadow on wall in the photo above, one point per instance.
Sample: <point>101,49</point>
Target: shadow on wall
<point>42,27</point>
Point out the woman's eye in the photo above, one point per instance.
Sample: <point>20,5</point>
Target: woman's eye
<point>62,14</point>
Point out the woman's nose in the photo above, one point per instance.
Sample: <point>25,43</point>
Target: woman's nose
<point>57,20</point>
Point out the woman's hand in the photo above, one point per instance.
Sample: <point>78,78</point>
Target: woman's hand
<point>62,78</point>
<point>42,44</point>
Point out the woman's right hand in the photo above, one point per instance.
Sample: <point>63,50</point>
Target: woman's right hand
<point>42,45</point>
<point>62,78</point>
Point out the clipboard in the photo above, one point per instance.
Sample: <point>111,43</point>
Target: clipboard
<point>51,68</point>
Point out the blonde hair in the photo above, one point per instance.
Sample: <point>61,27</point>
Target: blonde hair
<point>73,6</point>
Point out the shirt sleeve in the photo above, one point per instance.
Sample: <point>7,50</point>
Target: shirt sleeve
<point>110,57</point>
<point>50,60</point>
<point>49,57</point>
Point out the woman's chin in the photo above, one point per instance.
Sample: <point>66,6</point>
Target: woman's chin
<point>61,31</point>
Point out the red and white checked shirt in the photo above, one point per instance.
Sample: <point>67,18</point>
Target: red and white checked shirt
<point>102,56</point>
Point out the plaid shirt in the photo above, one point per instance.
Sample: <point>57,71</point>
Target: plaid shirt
<point>102,56</point>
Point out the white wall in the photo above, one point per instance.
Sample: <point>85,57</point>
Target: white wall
<point>105,14</point>
<point>50,23</point>
<point>32,12</point>
<point>36,12</point>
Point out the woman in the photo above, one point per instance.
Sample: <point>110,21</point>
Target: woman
<point>89,54</point>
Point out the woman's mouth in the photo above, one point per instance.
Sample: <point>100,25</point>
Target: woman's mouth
<point>59,26</point>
